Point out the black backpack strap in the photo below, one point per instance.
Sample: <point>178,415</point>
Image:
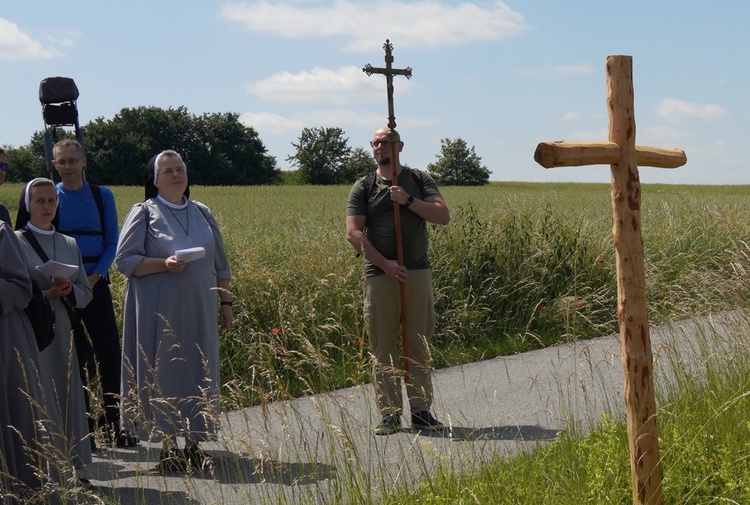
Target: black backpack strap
<point>96,192</point>
<point>69,300</point>
<point>370,185</point>
<point>418,177</point>
<point>34,243</point>
<point>370,178</point>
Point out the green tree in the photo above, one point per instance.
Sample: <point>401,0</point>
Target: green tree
<point>218,149</point>
<point>229,152</point>
<point>321,155</point>
<point>458,165</point>
<point>118,149</point>
<point>27,162</point>
<point>359,163</point>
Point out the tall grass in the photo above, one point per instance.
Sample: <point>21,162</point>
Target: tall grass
<point>704,437</point>
<point>520,267</point>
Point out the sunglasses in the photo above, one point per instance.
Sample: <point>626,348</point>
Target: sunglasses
<point>3,166</point>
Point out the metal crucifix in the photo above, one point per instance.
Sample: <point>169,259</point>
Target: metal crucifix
<point>393,139</point>
<point>624,156</point>
<point>389,72</point>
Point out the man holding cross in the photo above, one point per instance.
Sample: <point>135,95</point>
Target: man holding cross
<point>371,230</point>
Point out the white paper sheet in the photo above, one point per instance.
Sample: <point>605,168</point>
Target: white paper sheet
<point>191,254</point>
<point>56,269</point>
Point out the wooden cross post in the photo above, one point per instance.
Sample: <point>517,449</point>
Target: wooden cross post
<point>624,156</point>
<point>393,139</point>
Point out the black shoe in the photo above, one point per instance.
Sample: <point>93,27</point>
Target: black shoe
<point>424,421</point>
<point>391,423</point>
<point>197,458</point>
<point>172,461</point>
<point>126,439</point>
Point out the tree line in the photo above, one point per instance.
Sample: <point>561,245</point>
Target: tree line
<point>225,151</point>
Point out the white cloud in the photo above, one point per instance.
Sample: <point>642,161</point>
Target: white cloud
<point>426,23</point>
<point>322,85</point>
<point>661,136</point>
<point>16,45</point>
<point>571,116</point>
<point>272,124</point>
<point>679,111</point>
<point>268,123</point>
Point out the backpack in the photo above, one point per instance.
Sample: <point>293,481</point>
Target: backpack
<point>84,349</point>
<point>96,192</point>
<point>41,316</point>
<point>370,179</point>
<point>39,310</point>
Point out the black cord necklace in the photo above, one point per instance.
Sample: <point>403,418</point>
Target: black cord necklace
<point>186,229</point>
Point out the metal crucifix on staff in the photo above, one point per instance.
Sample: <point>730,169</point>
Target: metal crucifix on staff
<point>393,139</point>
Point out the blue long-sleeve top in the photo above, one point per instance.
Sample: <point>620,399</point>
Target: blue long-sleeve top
<point>78,211</point>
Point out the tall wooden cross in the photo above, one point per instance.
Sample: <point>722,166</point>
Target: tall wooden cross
<point>393,139</point>
<point>624,156</point>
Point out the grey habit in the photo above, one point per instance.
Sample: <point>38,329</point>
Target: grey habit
<point>59,360</point>
<point>170,365</point>
<point>26,416</point>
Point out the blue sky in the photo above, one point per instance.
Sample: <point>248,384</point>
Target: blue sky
<point>503,76</point>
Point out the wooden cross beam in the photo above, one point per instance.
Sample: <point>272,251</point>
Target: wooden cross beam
<point>389,72</point>
<point>623,156</point>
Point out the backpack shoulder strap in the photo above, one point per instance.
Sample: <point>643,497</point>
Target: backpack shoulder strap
<point>418,177</point>
<point>34,243</point>
<point>96,192</point>
<point>369,185</point>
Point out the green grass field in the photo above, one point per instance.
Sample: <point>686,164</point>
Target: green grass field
<point>521,266</point>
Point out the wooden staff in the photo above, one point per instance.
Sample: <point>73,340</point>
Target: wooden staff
<point>393,139</point>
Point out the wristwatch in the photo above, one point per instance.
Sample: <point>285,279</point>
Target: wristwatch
<point>409,201</point>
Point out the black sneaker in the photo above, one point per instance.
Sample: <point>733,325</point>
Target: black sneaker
<point>126,439</point>
<point>172,461</point>
<point>424,421</point>
<point>197,458</point>
<point>391,423</point>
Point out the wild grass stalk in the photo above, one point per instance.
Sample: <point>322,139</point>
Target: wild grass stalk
<point>522,266</point>
<point>704,402</point>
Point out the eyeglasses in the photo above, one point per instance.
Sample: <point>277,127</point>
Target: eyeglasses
<point>69,161</point>
<point>378,143</point>
<point>3,166</point>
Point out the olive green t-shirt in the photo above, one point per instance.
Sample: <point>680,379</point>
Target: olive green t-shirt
<point>379,226</point>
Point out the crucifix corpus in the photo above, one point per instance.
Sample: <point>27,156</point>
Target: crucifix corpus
<point>393,139</point>
<point>624,156</point>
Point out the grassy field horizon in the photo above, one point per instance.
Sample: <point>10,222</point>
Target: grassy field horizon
<point>522,265</point>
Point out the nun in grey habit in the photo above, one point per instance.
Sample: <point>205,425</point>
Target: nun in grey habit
<point>170,374</point>
<point>29,456</point>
